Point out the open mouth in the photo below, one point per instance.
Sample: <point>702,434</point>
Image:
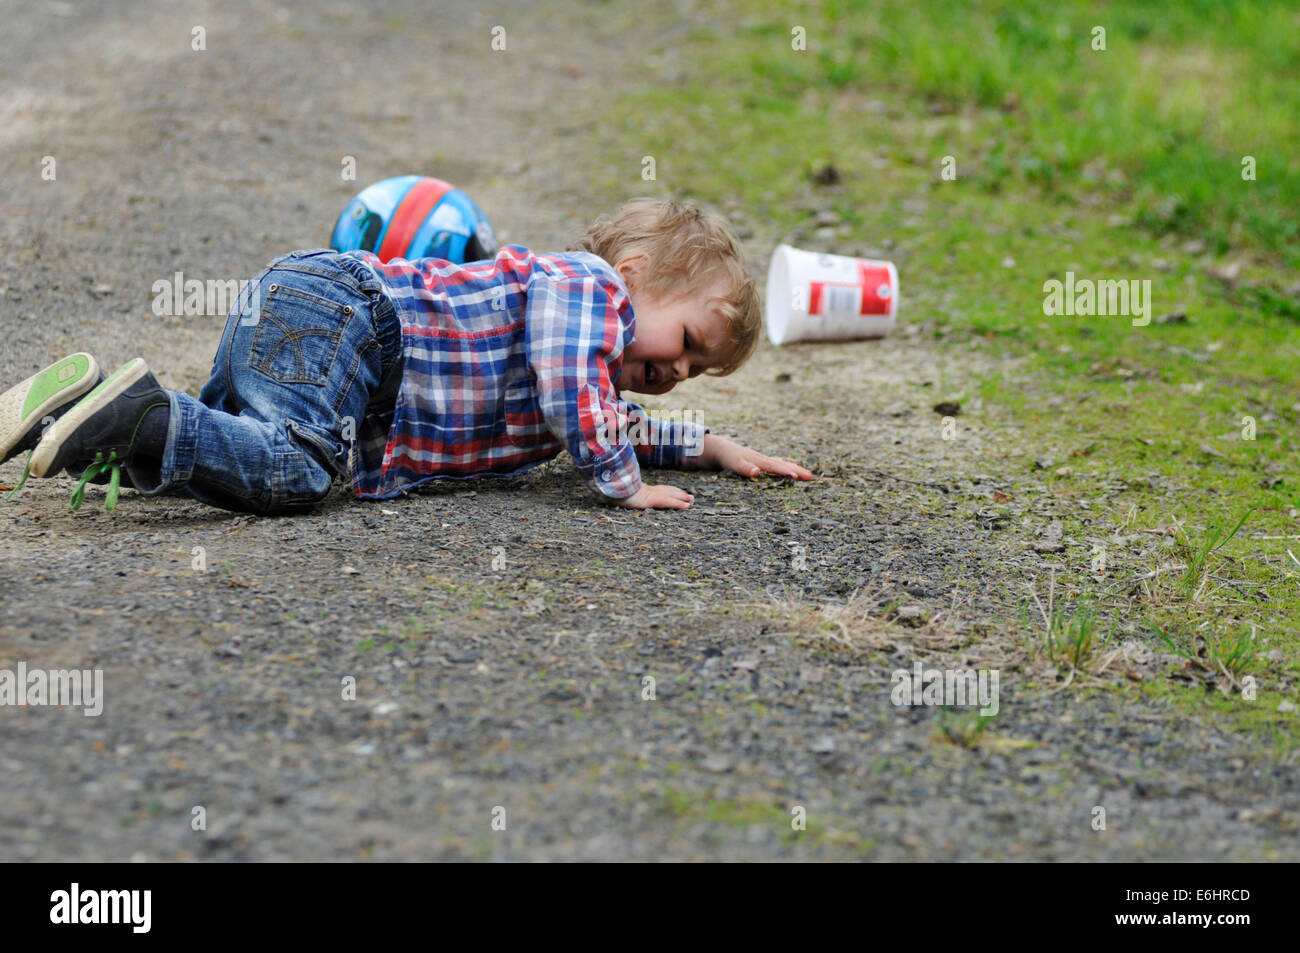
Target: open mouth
<point>651,375</point>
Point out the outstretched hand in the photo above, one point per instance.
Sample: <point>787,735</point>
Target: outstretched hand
<point>723,454</point>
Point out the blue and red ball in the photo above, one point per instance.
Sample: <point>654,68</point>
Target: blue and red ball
<point>413,216</point>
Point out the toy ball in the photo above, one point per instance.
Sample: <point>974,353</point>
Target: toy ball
<point>413,216</point>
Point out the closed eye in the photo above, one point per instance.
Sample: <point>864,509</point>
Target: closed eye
<point>687,339</point>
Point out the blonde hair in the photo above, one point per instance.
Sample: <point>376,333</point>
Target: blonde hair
<point>687,249</point>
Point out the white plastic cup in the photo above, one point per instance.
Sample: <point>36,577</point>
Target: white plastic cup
<point>817,297</point>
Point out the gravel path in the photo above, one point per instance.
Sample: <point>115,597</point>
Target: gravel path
<point>500,633</point>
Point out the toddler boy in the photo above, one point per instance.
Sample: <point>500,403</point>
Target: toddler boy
<point>337,364</point>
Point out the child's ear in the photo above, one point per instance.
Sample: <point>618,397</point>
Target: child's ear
<point>632,268</point>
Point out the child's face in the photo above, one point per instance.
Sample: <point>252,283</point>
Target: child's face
<point>674,339</point>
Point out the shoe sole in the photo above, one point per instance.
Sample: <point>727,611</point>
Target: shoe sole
<point>23,406</point>
<point>109,389</point>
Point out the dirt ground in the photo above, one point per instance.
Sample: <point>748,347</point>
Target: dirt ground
<point>500,632</point>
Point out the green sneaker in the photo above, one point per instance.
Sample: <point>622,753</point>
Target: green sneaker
<point>48,393</point>
<point>43,397</point>
<point>101,429</point>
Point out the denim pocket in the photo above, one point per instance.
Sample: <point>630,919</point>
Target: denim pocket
<point>329,452</point>
<point>297,336</point>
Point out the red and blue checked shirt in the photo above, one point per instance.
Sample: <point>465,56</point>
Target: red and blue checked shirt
<point>506,363</point>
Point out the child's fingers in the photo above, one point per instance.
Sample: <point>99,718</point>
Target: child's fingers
<point>753,466</point>
<point>783,467</point>
<point>790,468</point>
<point>671,497</point>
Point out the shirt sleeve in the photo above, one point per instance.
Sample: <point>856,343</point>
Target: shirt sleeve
<point>573,331</point>
<point>663,441</point>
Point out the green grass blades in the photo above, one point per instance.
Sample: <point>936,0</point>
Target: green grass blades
<point>1198,552</point>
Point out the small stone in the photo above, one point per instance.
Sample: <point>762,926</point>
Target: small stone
<point>823,745</point>
<point>810,676</point>
<point>1286,707</point>
<point>716,764</point>
<point>910,613</point>
<point>1053,539</point>
<point>1225,274</point>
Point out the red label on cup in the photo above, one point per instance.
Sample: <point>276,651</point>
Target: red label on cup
<point>877,292</point>
<point>870,294</point>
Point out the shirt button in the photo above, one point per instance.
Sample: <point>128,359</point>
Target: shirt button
<point>606,475</point>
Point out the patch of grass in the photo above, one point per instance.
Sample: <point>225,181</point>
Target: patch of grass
<point>1074,639</point>
<point>1235,655</point>
<point>1258,719</point>
<point>1070,638</point>
<point>1231,655</point>
<point>1123,162</point>
<point>1157,122</point>
<point>853,624</point>
<point>735,813</point>
<point>414,629</point>
<point>1197,553</point>
<point>964,729</point>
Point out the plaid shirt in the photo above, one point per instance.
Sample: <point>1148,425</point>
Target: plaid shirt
<point>506,363</point>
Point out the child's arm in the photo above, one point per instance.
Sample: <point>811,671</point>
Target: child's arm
<point>571,324</point>
<point>668,443</point>
<point>702,450</point>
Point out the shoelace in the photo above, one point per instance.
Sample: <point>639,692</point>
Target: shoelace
<point>27,469</point>
<point>100,464</point>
